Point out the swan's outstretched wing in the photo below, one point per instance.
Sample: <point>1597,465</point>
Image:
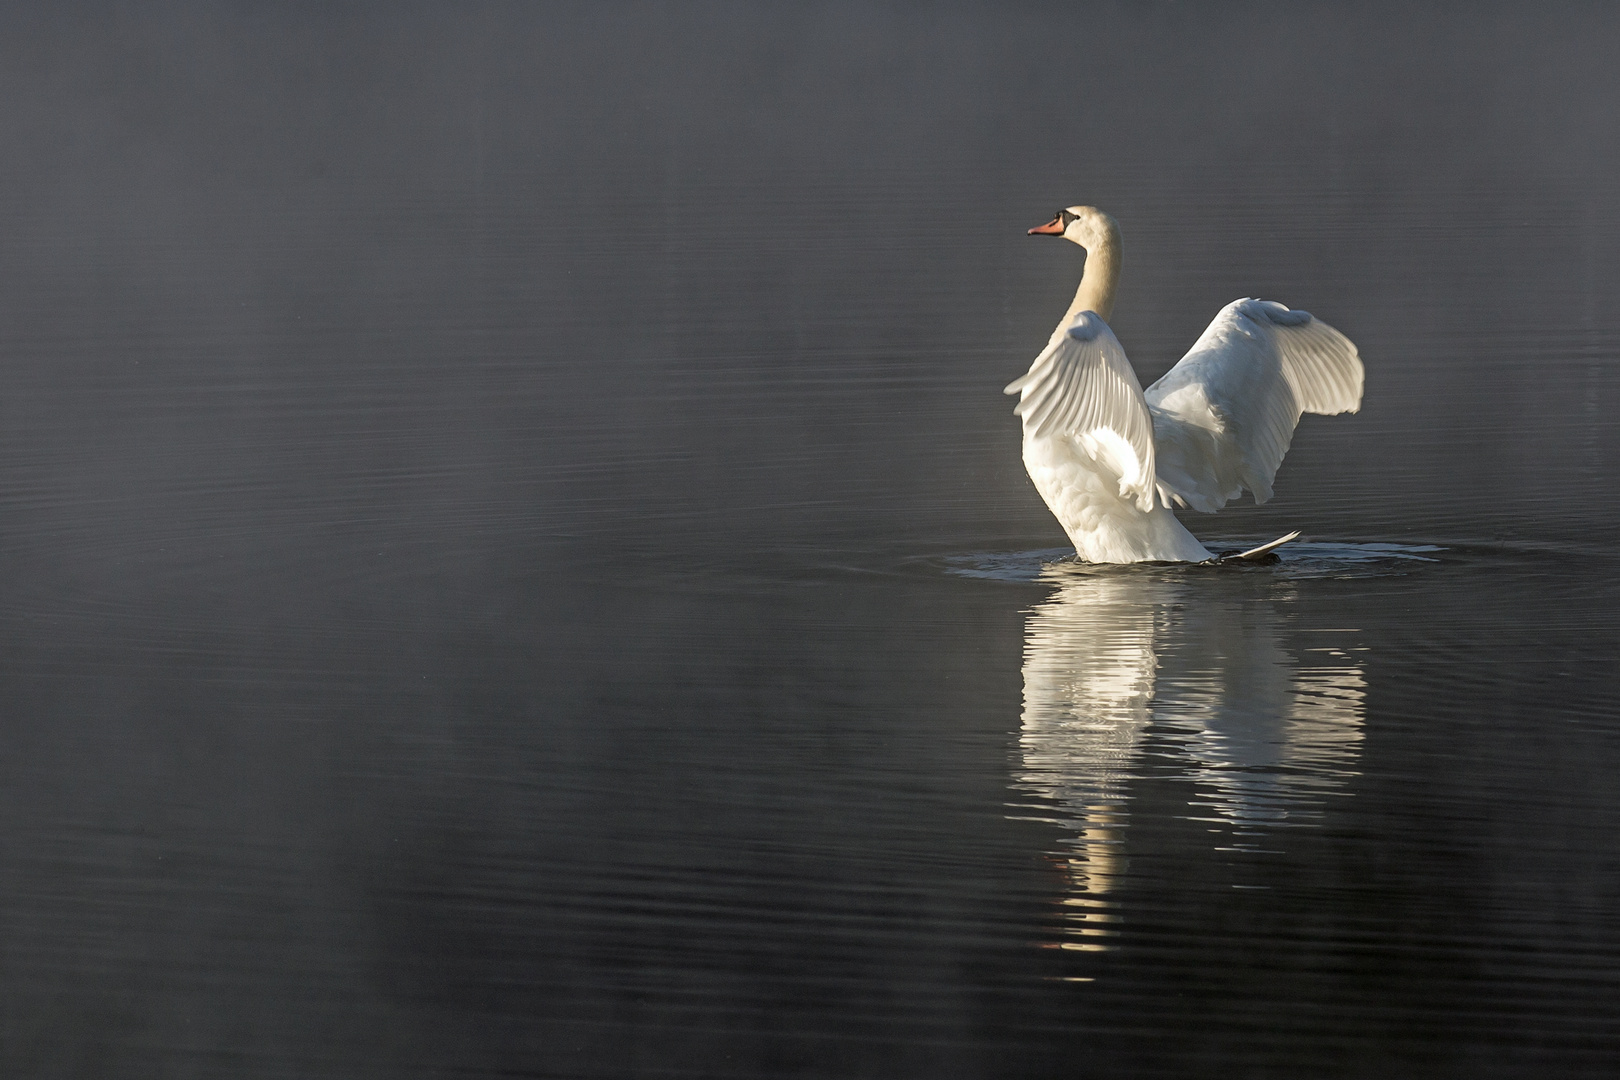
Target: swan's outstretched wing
<point>1223,417</point>
<point>1082,387</point>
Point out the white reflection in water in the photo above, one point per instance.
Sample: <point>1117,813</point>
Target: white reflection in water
<point>1261,733</point>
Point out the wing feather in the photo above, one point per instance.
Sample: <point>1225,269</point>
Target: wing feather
<point>1082,386</point>
<point>1225,415</point>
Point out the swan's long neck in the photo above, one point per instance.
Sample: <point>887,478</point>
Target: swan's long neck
<point>1097,284</point>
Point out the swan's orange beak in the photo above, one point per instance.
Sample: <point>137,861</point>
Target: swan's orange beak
<point>1051,228</point>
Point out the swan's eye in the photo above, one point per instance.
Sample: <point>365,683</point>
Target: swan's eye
<point>1067,217</point>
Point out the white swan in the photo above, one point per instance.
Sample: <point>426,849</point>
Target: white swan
<point>1109,460</point>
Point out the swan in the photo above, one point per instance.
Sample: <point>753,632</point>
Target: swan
<point>1109,459</point>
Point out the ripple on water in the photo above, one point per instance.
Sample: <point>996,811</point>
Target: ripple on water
<point>1304,559</point>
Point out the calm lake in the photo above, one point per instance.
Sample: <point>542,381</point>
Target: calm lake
<point>514,560</point>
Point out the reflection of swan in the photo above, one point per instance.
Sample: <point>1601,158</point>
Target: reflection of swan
<point>1110,460</point>
<point>1088,682</point>
<point>1262,736</point>
<point>1266,733</point>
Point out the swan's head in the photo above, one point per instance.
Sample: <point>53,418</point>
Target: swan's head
<point>1084,225</point>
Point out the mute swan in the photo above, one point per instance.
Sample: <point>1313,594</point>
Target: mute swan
<point>1109,459</point>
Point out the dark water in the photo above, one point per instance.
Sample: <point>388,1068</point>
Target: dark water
<point>516,562</point>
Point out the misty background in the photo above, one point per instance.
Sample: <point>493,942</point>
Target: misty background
<point>725,275</point>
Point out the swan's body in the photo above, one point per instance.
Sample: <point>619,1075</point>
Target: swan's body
<point>1109,460</point>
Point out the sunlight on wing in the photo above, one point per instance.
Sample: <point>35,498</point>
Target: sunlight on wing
<point>1083,388</point>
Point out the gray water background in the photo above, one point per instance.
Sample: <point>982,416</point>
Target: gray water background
<point>516,562</point>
